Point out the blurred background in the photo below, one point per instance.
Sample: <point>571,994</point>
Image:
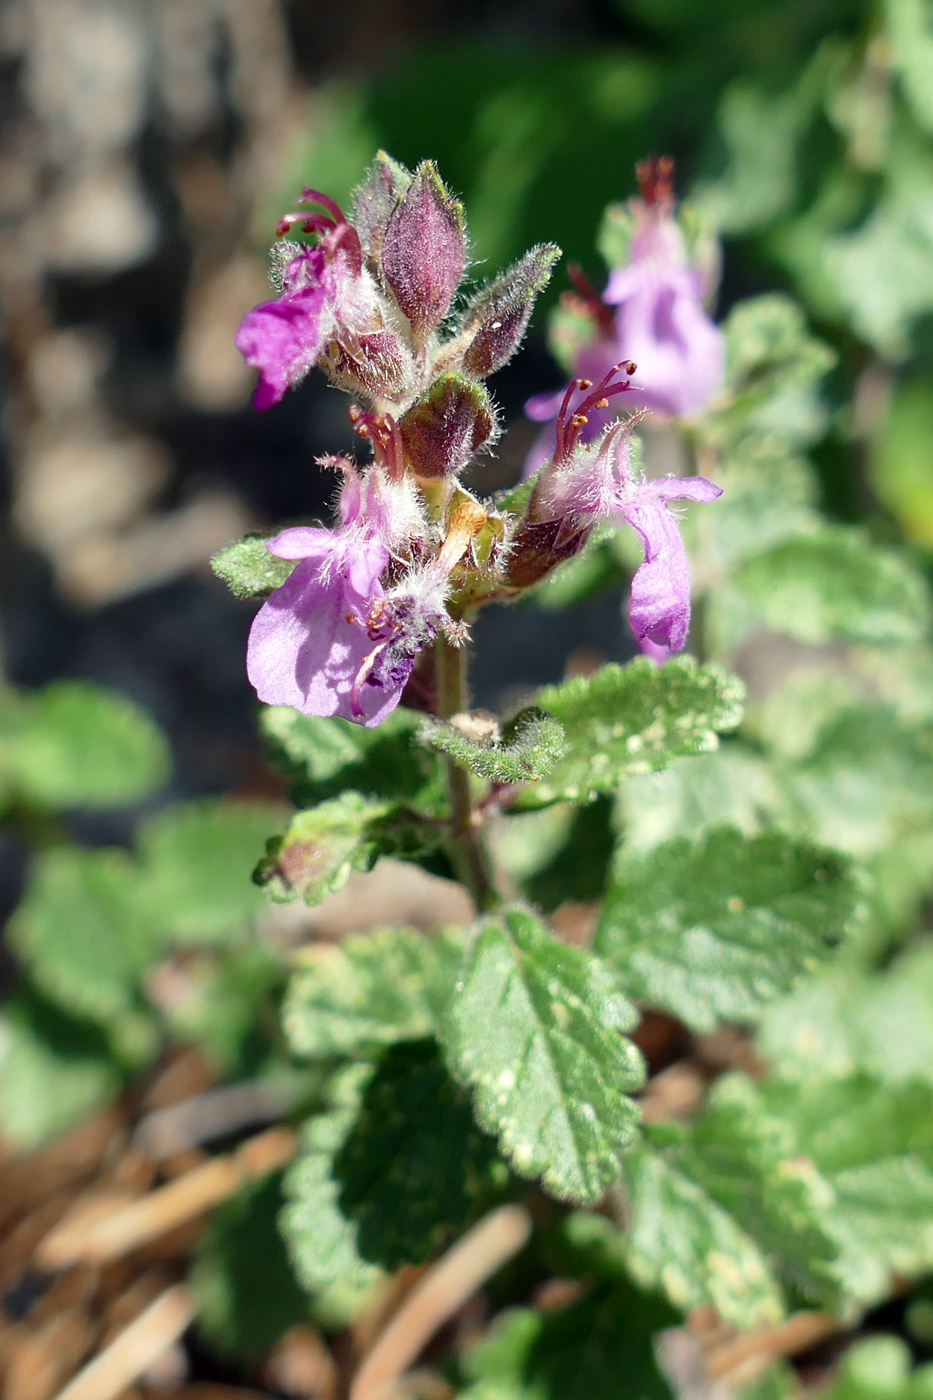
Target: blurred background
<point>146,149</point>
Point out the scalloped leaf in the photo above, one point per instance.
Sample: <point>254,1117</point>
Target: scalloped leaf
<point>536,745</point>
<point>315,855</point>
<point>249,570</point>
<point>535,1029</point>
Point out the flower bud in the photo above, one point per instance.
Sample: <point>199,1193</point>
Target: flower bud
<point>450,422</point>
<point>424,250</point>
<point>373,202</point>
<point>499,313</point>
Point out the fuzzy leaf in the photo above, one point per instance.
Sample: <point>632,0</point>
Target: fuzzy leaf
<point>327,756</point>
<point>534,1028</point>
<point>372,989</point>
<point>74,744</point>
<point>597,1348</point>
<point>244,1288</point>
<point>685,1244</point>
<point>634,719</point>
<point>248,569</point>
<point>320,1239</point>
<point>415,1170</point>
<point>196,860</point>
<point>714,930</point>
<point>82,932</point>
<point>834,584</point>
<point>321,846</point>
<point>535,746</point>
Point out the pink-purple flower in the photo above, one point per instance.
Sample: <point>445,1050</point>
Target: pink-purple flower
<point>599,482</point>
<point>660,322</point>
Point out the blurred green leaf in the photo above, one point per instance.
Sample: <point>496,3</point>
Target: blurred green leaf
<point>834,584</point>
<point>577,869</point>
<point>53,1071</point>
<point>85,935</point>
<point>196,860</point>
<point>415,1171</point>
<point>901,462</point>
<point>372,990</point>
<point>226,1001</point>
<point>245,1293</point>
<point>633,720</point>
<point>878,1368</point>
<point>715,930</point>
<point>597,1348</point>
<point>685,1245</point>
<point>552,1081</point>
<point>74,744</point>
<point>248,569</point>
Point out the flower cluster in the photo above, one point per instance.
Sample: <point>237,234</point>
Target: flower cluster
<point>370,299</point>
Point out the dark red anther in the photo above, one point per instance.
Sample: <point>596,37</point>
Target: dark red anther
<point>656,178</point>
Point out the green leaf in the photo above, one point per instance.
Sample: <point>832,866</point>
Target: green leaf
<point>634,719</point>
<point>685,1244</point>
<point>329,755</point>
<point>598,1348</point>
<point>82,932</point>
<point>834,584</point>
<point>320,848</point>
<point>196,861</point>
<point>712,931</point>
<point>53,1072</point>
<point>530,752</point>
<point>750,1161</point>
<point>415,1170</point>
<point>244,1290</point>
<point>878,1368</point>
<point>842,1023</point>
<point>227,1003</point>
<point>535,1029</point>
<point>577,870</point>
<point>74,744</point>
<point>321,1240</point>
<point>248,569</point>
<point>372,989</point>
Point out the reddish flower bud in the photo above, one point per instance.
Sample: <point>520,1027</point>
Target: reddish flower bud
<point>424,250</point>
<point>373,202</point>
<point>499,313</point>
<point>450,422</point>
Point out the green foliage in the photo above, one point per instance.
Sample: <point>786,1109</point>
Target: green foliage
<point>326,756</point>
<point>371,990</point>
<point>551,1081</point>
<point>597,1348</point>
<point>248,569</point>
<point>714,930</point>
<point>84,938</point>
<point>415,1171</point>
<point>196,860</point>
<point>878,1368</point>
<point>245,1292</point>
<point>74,744</point>
<point>633,719</point>
<point>577,869</point>
<point>322,1243</point>
<point>834,584</point>
<point>530,752</point>
<point>53,1070</point>
<point>321,846</point>
<point>685,1244</point>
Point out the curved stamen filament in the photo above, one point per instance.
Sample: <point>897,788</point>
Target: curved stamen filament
<point>309,196</point>
<point>568,430</point>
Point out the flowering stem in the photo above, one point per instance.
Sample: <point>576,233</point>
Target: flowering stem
<point>474,862</point>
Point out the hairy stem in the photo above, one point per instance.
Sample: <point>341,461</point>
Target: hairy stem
<point>473,858</point>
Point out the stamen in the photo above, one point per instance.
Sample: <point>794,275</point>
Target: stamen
<point>360,679</point>
<point>568,433</point>
<point>316,197</point>
<point>656,178</point>
<point>311,223</point>
<point>593,303</point>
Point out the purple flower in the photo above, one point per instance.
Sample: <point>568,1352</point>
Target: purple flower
<point>600,484</point>
<point>660,323</point>
<point>318,642</point>
<point>329,310</point>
